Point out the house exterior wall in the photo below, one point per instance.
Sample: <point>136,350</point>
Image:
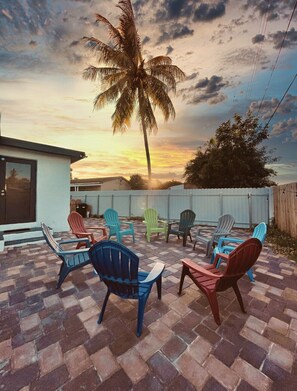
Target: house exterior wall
<point>115,184</point>
<point>52,189</point>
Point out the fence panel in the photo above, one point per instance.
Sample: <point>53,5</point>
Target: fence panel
<point>285,208</point>
<point>248,206</point>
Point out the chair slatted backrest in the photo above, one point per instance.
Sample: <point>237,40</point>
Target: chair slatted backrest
<point>50,239</point>
<point>76,222</point>
<point>260,232</point>
<point>225,224</point>
<point>151,217</point>
<point>117,266</point>
<point>111,217</point>
<point>187,218</point>
<point>241,259</point>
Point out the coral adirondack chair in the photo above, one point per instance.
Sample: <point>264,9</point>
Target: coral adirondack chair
<point>117,267</point>
<point>115,226</point>
<point>186,222</point>
<point>71,259</point>
<point>153,224</point>
<point>259,232</point>
<point>78,229</point>
<point>210,280</point>
<point>224,226</point>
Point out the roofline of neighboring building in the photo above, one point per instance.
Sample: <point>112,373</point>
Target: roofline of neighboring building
<point>97,180</point>
<point>22,144</point>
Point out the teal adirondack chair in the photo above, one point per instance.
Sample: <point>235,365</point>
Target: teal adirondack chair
<point>259,232</point>
<point>153,224</point>
<point>116,227</point>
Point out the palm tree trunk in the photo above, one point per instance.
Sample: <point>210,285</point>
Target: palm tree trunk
<point>147,152</point>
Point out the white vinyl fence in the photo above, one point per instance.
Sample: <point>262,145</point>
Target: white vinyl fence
<point>248,206</point>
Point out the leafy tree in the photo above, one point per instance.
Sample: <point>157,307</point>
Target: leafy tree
<point>129,80</point>
<point>234,157</point>
<point>137,182</point>
<point>168,184</point>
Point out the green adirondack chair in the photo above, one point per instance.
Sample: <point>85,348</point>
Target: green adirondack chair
<point>153,224</point>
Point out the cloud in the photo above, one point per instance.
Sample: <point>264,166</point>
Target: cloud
<point>207,12</point>
<point>258,38</point>
<point>196,11</point>
<point>278,38</point>
<point>273,9</point>
<point>175,31</point>
<point>266,108</point>
<point>206,90</point>
<point>169,50</point>
<point>289,125</point>
<point>245,57</point>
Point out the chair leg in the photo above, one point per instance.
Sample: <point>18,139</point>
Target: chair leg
<point>194,245</point>
<point>64,271</point>
<point>159,287</point>
<point>213,301</point>
<point>182,277</point>
<point>167,237</point>
<point>239,298</point>
<point>184,239</point>
<point>103,307</point>
<point>140,316</point>
<point>250,275</point>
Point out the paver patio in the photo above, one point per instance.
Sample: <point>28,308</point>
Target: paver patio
<point>50,340</point>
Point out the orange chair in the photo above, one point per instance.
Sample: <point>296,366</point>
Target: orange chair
<point>210,280</point>
<point>78,228</point>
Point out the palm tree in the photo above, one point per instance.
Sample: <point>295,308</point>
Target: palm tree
<point>129,80</point>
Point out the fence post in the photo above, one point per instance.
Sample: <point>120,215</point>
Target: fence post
<point>130,205</point>
<point>221,204</point>
<point>146,201</point>
<point>168,207</point>
<point>112,201</point>
<point>98,209</point>
<point>191,201</point>
<point>250,210</point>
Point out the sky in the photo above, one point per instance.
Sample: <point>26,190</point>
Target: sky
<point>233,53</point>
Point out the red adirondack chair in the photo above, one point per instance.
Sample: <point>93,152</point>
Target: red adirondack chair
<point>78,228</point>
<point>211,280</point>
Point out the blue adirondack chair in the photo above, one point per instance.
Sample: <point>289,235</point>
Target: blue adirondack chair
<point>183,226</point>
<point>259,232</point>
<point>117,267</point>
<point>115,226</point>
<point>71,259</point>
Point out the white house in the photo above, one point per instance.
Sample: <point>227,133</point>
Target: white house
<point>34,187</point>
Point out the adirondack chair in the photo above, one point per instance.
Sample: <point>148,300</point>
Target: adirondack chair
<point>210,280</point>
<point>260,232</point>
<point>78,229</point>
<point>184,225</point>
<point>223,228</point>
<point>71,259</point>
<point>117,267</point>
<point>112,221</point>
<point>153,224</point>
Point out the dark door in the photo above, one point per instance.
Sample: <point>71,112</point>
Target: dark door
<point>17,190</point>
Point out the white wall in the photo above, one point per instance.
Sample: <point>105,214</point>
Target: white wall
<point>52,189</point>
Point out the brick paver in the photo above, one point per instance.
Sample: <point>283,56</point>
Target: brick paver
<point>50,339</point>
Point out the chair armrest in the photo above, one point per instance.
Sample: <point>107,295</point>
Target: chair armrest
<point>96,228</point>
<point>128,223</point>
<point>154,273</point>
<point>203,229</point>
<point>77,240</point>
<point>220,256</point>
<point>73,252</point>
<point>192,265</point>
<point>228,240</point>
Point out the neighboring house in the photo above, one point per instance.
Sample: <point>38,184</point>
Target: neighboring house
<point>183,186</point>
<point>95,184</point>
<point>34,186</point>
